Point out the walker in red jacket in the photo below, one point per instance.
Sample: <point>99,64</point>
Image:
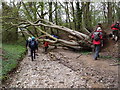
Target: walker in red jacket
<point>97,44</point>
<point>46,45</point>
<point>115,30</point>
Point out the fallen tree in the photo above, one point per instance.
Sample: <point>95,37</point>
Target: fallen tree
<point>81,41</point>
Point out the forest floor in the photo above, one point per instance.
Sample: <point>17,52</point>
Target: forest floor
<point>62,68</point>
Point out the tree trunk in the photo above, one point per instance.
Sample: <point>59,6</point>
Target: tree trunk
<point>74,18</point>
<point>42,14</point>
<point>50,15</point>
<point>67,10</point>
<point>118,11</point>
<point>83,38</point>
<point>109,13</point>
<point>87,15</point>
<point>104,11</point>
<point>56,16</point>
<point>78,16</point>
<point>72,32</point>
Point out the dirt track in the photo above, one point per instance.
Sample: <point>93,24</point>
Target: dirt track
<point>68,70</point>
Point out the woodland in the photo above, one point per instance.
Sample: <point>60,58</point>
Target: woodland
<point>72,22</point>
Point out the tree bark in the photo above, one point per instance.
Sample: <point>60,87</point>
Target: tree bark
<point>56,16</point>
<point>74,18</point>
<point>68,14</point>
<point>78,16</point>
<point>109,13</point>
<point>86,15</point>
<point>50,15</point>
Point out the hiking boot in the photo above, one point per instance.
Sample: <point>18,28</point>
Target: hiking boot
<point>36,54</point>
<point>98,56</point>
<point>113,36</point>
<point>95,58</point>
<point>116,38</point>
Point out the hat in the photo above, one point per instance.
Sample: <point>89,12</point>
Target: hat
<point>29,38</point>
<point>117,22</point>
<point>33,38</point>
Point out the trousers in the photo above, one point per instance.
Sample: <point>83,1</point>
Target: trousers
<point>97,50</point>
<point>32,54</point>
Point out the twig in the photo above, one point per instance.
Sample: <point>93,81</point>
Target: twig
<point>78,56</point>
<point>115,64</point>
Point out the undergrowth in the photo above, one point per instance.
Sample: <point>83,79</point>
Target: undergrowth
<point>11,54</point>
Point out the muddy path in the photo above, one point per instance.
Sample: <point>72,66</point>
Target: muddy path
<point>64,69</point>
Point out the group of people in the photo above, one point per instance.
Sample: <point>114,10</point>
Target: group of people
<point>32,45</point>
<point>97,37</point>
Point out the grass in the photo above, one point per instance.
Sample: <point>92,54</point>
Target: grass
<point>118,59</point>
<point>86,52</point>
<point>12,53</point>
<point>106,57</point>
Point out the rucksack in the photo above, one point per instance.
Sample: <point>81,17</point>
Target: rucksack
<point>116,26</point>
<point>32,44</point>
<point>96,36</point>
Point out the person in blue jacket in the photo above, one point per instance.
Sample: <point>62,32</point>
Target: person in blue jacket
<point>33,46</point>
<point>55,37</point>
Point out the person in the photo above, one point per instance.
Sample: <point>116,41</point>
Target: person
<point>33,46</point>
<point>52,39</point>
<point>115,30</point>
<point>27,45</point>
<point>99,28</point>
<point>96,39</point>
<point>55,36</point>
<point>46,45</point>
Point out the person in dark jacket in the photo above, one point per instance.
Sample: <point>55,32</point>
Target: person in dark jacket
<point>97,44</point>
<point>33,46</point>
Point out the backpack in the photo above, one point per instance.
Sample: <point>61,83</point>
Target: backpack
<point>116,26</point>
<point>32,44</point>
<point>96,36</point>
<point>29,41</point>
